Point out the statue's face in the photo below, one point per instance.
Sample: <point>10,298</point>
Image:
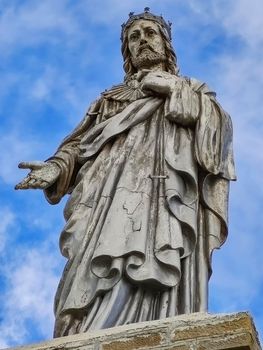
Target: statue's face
<point>146,44</point>
<point>142,33</point>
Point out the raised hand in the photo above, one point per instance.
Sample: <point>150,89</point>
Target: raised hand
<point>41,176</point>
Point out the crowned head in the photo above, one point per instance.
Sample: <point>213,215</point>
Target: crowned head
<point>146,42</point>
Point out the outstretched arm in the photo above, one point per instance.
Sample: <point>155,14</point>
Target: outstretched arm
<point>41,176</point>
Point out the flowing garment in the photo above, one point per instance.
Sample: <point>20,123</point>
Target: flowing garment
<point>148,204</point>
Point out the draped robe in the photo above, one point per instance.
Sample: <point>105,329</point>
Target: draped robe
<point>148,204</point>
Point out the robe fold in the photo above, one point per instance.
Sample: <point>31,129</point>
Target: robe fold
<point>148,179</point>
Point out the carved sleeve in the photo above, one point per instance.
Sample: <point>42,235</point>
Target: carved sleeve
<point>67,157</point>
<point>183,105</point>
<point>214,139</point>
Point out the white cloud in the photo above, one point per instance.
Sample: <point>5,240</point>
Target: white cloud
<point>54,88</point>
<point>244,19</point>
<point>241,18</point>
<point>241,88</point>
<point>237,280</point>
<point>13,146</point>
<point>7,219</point>
<point>32,279</point>
<point>30,23</point>
<point>108,11</point>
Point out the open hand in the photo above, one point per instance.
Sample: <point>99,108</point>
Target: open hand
<point>41,176</point>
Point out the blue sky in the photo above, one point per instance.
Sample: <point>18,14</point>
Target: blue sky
<point>56,56</point>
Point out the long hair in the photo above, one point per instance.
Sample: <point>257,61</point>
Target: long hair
<point>171,62</point>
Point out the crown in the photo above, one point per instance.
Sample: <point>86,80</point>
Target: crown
<point>149,16</point>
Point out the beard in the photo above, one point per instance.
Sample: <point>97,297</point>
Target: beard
<point>148,58</point>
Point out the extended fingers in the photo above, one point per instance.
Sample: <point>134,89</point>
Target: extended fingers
<point>31,182</point>
<point>24,184</point>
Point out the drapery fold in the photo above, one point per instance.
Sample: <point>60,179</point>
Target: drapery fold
<point>149,191</point>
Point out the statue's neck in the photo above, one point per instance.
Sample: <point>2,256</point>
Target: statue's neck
<point>155,67</point>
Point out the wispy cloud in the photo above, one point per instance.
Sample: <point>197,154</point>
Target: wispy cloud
<point>6,223</point>
<point>243,19</point>
<point>13,146</point>
<point>31,280</point>
<point>237,281</point>
<point>28,24</point>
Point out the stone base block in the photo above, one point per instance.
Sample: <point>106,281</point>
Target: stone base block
<point>198,331</point>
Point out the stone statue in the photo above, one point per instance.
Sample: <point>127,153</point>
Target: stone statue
<point>147,171</point>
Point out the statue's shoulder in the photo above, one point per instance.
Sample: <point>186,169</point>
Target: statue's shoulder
<point>199,86</point>
<point>123,92</point>
<point>115,91</point>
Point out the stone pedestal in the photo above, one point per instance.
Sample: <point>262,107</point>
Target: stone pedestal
<point>199,331</point>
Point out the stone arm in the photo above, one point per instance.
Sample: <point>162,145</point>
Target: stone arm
<point>56,176</point>
<point>190,103</point>
<point>196,107</point>
<point>67,157</point>
<point>181,100</point>
<point>193,105</point>
<point>213,135</point>
<point>66,160</point>
<point>182,105</point>
<point>41,175</point>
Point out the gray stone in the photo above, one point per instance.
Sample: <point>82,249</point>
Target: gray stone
<point>148,171</point>
<point>197,331</point>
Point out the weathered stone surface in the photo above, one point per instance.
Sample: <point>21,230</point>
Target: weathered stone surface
<point>148,171</point>
<point>198,331</point>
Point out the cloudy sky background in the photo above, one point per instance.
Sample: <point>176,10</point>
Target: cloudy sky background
<point>56,56</point>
